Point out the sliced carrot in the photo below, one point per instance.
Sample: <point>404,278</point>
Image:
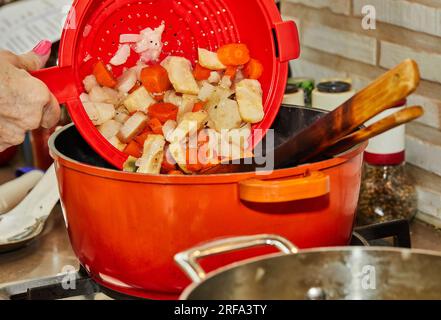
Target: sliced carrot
<point>143,137</point>
<point>176,173</point>
<point>135,87</point>
<point>198,106</point>
<point>231,71</point>
<point>155,125</point>
<point>155,79</point>
<point>103,76</point>
<point>163,112</point>
<point>253,69</point>
<point>234,54</point>
<point>133,149</point>
<point>200,73</point>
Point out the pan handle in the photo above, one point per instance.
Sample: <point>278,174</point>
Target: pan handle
<point>187,260</point>
<point>312,185</point>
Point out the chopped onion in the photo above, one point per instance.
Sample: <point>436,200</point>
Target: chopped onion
<point>129,38</point>
<point>121,55</point>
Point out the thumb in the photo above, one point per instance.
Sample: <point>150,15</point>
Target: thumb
<point>35,59</point>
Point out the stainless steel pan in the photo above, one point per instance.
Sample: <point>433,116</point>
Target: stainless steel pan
<point>349,273</point>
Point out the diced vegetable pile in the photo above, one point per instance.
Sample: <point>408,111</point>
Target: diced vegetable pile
<point>172,117</point>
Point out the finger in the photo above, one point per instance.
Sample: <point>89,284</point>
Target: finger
<point>31,61</point>
<point>51,113</point>
<point>11,134</point>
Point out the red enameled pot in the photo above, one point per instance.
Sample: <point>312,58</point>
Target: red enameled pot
<point>126,228</point>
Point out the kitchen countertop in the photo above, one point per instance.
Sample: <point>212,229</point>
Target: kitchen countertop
<point>51,252</point>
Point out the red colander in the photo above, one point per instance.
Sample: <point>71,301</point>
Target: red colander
<point>92,33</point>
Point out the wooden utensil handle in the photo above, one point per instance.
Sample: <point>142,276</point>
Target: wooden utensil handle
<point>395,120</point>
<point>382,94</point>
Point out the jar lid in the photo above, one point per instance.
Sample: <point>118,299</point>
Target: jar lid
<point>334,87</point>
<point>291,88</point>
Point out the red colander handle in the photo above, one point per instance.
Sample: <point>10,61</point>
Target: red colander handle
<point>288,40</point>
<point>60,81</point>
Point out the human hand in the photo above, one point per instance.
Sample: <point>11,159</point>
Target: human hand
<point>25,102</point>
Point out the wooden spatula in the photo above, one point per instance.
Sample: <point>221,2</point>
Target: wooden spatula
<point>395,120</point>
<point>380,95</point>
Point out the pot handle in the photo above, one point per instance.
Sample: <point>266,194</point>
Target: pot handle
<point>287,38</point>
<point>312,185</point>
<point>60,81</point>
<point>187,260</point>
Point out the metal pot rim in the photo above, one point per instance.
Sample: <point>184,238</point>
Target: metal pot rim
<point>196,179</point>
<point>187,292</point>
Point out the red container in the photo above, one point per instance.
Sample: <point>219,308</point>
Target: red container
<point>126,228</point>
<point>92,33</point>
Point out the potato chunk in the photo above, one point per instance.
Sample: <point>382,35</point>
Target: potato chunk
<point>99,113</point>
<point>181,75</point>
<point>110,128</point>
<point>225,115</point>
<point>132,127</point>
<point>153,155</point>
<point>210,60</point>
<point>114,141</point>
<point>249,96</point>
<point>140,100</point>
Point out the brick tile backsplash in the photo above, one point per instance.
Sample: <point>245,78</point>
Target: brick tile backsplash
<point>423,147</point>
<point>339,42</point>
<point>334,45</point>
<point>429,62</point>
<point>336,6</point>
<point>410,14</point>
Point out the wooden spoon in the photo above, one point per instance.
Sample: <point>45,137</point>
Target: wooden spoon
<point>395,120</point>
<point>380,95</point>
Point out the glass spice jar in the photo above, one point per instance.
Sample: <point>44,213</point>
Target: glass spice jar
<point>387,190</point>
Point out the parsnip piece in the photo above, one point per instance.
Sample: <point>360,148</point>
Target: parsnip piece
<point>133,126</point>
<point>249,96</point>
<point>225,115</point>
<point>99,113</point>
<point>140,100</point>
<point>191,122</point>
<point>153,155</point>
<point>178,152</point>
<point>114,141</point>
<point>110,128</point>
<point>181,75</point>
<point>210,60</point>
